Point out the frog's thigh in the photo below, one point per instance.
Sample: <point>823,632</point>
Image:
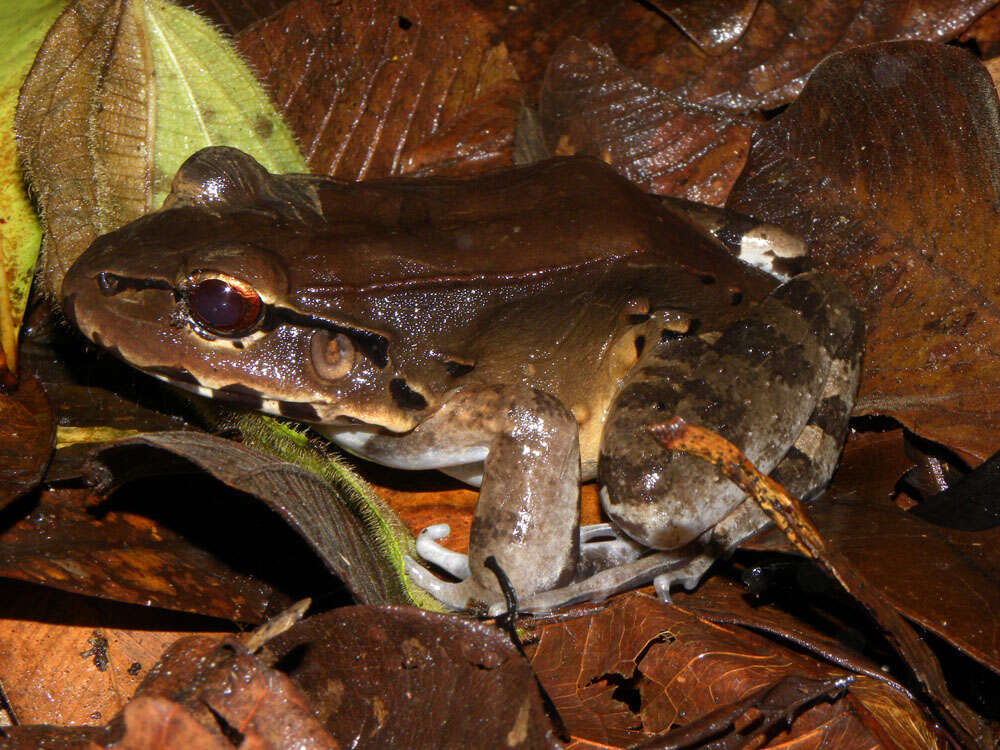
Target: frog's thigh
<point>757,385</point>
<point>527,515</point>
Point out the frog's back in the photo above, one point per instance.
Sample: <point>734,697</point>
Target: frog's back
<point>550,218</point>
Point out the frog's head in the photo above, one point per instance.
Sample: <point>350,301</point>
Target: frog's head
<point>200,294</point>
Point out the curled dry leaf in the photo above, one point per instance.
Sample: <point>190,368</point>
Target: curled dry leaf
<point>637,668</point>
<point>100,141</point>
<point>365,665</point>
<point>377,88</point>
<point>889,165</point>
<point>355,550</point>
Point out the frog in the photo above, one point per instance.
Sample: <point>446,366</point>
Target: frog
<point>520,330</point>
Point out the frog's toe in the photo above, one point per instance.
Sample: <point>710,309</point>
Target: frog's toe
<point>455,563</point>
<point>688,575</point>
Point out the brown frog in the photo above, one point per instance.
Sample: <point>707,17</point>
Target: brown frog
<point>519,330</point>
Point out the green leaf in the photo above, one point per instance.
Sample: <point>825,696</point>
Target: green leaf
<point>23,24</point>
<point>207,96</point>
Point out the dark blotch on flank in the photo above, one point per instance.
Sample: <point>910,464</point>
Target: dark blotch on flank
<point>299,410</point>
<point>405,397</point>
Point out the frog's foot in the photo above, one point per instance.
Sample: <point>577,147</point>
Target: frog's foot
<point>674,566</point>
<point>455,563</point>
<point>464,595</point>
<point>602,546</point>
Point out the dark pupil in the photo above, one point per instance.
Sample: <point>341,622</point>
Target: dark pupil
<point>223,307</point>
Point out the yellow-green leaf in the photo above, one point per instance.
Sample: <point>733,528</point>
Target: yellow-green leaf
<point>23,24</point>
<point>207,96</point>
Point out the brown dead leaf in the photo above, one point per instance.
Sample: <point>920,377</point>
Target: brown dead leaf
<point>363,666</point>
<point>68,659</point>
<point>785,40</point>
<point>381,88</point>
<point>714,25</point>
<point>89,172</point>
<point>233,16</point>
<point>204,694</point>
<point>638,667</point>
<point>788,514</point>
<point>952,587</point>
<point>889,165</point>
<point>304,499</point>
<point>590,104</point>
<point>27,434</point>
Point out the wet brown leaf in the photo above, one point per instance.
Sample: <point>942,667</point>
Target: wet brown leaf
<point>380,88</point>
<point>533,29</point>
<point>639,667</point>
<point>590,104</point>
<point>27,434</point>
<point>788,514</point>
<point>952,587</point>
<point>68,659</point>
<point>233,16</point>
<point>362,667</point>
<point>206,693</point>
<point>68,543</point>
<point>785,40</point>
<point>889,165</point>
<point>714,25</point>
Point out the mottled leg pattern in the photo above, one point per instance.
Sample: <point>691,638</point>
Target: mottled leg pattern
<point>779,384</point>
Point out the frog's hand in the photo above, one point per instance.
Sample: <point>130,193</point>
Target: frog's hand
<point>766,246</point>
<point>527,515</point>
<point>772,383</point>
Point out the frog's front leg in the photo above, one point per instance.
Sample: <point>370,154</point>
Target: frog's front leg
<point>527,515</point>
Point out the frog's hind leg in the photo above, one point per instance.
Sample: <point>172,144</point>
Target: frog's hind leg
<point>778,383</point>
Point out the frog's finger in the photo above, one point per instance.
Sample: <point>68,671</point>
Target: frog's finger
<point>455,563</point>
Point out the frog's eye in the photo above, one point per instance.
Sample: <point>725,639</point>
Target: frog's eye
<point>332,354</point>
<point>224,306</point>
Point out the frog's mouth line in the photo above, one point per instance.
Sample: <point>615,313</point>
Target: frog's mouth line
<point>237,394</point>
